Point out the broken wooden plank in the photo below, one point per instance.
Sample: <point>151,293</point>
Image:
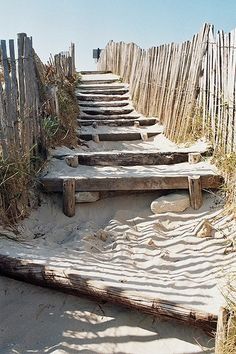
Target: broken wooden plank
<point>121,122</point>
<point>72,280</point>
<point>68,196</point>
<point>195,191</point>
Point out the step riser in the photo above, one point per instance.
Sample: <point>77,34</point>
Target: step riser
<point>130,159</point>
<point>121,122</point>
<point>116,137</point>
<point>102,98</point>
<point>111,183</point>
<point>108,118</point>
<point>103,104</point>
<point>94,72</point>
<point>98,82</point>
<point>106,112</point>
<point>86,88</point>
<point>106,92</point>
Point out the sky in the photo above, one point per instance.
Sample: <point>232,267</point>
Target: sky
<point>54,24</point>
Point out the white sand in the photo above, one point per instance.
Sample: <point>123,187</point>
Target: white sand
<point>155,256</point>
<point>37,320</point>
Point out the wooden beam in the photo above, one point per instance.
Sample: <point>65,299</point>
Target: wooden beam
<point>101,97</point>
<point>118,136</point>
<point>114,183</point>
<point>195,191</point>
<point>130,158</point>
<point>94,111</point>
<point>93,72</point>
<point>118,122</point>
<point>68,191</point>
<point>69,279</point>
<point>107,118</point>
<point>118,91</point>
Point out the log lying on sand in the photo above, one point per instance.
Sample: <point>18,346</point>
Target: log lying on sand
<point>68,279</point>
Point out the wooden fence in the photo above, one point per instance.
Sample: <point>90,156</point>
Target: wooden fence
<point>189,86</point>
<point>25,91</point>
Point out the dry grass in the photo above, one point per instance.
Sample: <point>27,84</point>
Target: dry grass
<point>17,176</point>
<point>228,344</point>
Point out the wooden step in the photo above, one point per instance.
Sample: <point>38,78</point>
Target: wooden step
<point>100,97</point>
<point>129,178</point>
<point>108,118</point>
<point>116,91</point>
<point>106,111</point>
<point>88,87</point>
<point>98,81</point>
<point>103,104</point>
<point>123,136</point>
<point>94,72</point>
<point>130,158</point>
<point>118,122</point>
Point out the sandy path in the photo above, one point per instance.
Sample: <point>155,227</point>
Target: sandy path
<point>37,320</point>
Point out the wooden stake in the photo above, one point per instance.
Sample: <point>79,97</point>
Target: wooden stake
<point>194,157</point>
<point>72,161</point>
<point>195,191</point>
<point>221,330</point>
<point>95,138</point>
<point>69,197</point>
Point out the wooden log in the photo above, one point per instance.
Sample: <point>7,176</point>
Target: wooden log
<point>221,330</point>
<point>69,279</point>
<point>72,161</point>
<point>69,197</point>
<point>194,157</point>
<point>195,191</point>
<point>113,183</point>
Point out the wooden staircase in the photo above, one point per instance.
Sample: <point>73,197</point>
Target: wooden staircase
<point>107,114</point>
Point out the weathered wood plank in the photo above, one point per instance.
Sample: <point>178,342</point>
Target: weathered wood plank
<point>113,183</point>
<point>106,111</point>
<point>129,136</point>
<point>130,158</point>
<point>120,122</point>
